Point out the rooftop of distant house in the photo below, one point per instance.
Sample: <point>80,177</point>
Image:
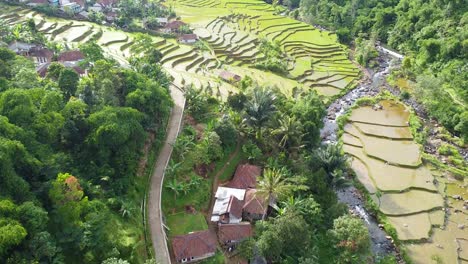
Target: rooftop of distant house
<point>195,244</point>
<point>229,76</point>
<point>188,37</point>
<point>176,24</point>
<point>73,55</point>
<point>245,176</point>
<point>234,232</point>
<point>254,203</point>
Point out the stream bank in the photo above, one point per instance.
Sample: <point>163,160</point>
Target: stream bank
<point>370,86</point>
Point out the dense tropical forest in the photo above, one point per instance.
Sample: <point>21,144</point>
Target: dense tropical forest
<point>70,147</point>
<point>431,34</point>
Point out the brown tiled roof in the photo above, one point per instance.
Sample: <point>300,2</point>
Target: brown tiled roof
<point>42,70</point>
<point>42,52</point>
<point>245,176</point>
<point>79,70</point>
<point>193,245</point>
<point>234,232</point>
<point>174,24</point>
<point>254,204</point>
<point>188,37</point>
<point>73,55</point>
<point>107,2</point>
<point>235,206</point>
<point>229,76</point>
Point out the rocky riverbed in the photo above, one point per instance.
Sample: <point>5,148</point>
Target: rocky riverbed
<point>371,85</point>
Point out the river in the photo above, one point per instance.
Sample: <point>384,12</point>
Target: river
<point>381,245</point>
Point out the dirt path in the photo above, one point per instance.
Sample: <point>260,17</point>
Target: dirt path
<point>216,179</point>
<point>155,218</point>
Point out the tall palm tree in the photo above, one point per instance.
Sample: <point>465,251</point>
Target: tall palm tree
<point>330,158</point>
<point>274,184</point>
<point>289,131</point>
<point>259,109</point>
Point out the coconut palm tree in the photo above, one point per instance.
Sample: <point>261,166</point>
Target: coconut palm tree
<point>289,131</point>
<point>330,157</point>
<point>274,184</point>
<point>259,109</point>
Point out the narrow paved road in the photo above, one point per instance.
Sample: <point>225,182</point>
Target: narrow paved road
<point>158,234</point>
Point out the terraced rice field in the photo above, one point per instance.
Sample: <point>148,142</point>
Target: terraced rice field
<point>417,200</point>
<point>235,28</point>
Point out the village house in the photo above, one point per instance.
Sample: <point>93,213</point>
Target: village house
<point>38,54</point>
<point>194,246</point>
<point>228,205</point>
<point>245,176</point>
<point>95,8</point>
<point>188,38</point>
<point>239,197</point>
<point>173,26</point>
<point>229,77</point>
<point>41,55</point>
<point>231,234</point>
<point>21,48</point>
<point>70,58</point>
<point>162,21</point>
<point>255,206</point>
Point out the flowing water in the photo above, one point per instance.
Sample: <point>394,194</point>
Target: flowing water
<point>380,243</point>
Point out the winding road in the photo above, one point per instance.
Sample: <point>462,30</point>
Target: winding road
<point>155,218</point>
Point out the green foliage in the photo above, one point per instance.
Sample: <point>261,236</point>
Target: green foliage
<point>227,133</point>
<point>273,58</point>
<point>68,82</point>
<point>309,110</point>
<point>352,238</point>
<point>430,34</point>
<point>285,236</point>
<point>44,131</point>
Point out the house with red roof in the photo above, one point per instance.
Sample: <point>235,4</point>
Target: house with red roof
<point>255,206</point>
<point>231,234</point>
<point>228,205</point>
<point>173,26</point>
<point>245,176</point>
<point>194,246</point>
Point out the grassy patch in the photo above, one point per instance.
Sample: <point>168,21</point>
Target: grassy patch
<point>184,223</point>
<point>231,167</point>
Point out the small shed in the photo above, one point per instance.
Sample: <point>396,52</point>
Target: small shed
<point>188,38</point>
<point>162,21</point>
<point>173,26</point>
<point>229,77</point>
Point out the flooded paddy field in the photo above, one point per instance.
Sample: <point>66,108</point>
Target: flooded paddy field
<point>427,209</point>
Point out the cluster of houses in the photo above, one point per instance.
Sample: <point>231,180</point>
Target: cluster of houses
<point>235,208</point>
<point>43,57</point>
<point>80,7</point>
